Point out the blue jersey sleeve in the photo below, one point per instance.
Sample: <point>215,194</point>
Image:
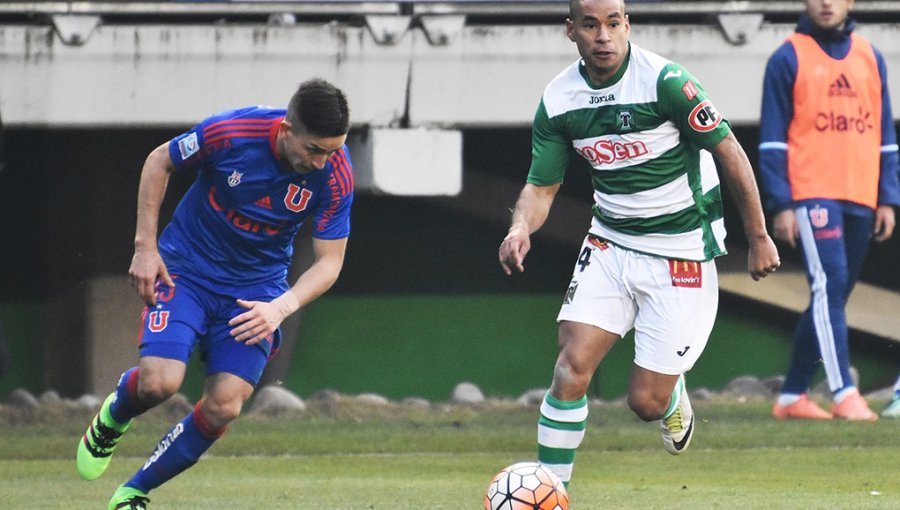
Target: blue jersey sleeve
<point>776,115</point>
<point>888,181</point>
<point>197,145</point>
<point>185,150</point>
<point>332,218</point>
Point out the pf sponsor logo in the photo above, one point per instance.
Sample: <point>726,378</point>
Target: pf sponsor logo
<point>704,117</point>
<point>607,151</point>
<point>686,273</point>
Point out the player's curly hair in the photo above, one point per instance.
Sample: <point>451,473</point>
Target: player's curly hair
<point>320,107</point>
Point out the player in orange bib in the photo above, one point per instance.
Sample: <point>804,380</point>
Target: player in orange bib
<point>828,162</point>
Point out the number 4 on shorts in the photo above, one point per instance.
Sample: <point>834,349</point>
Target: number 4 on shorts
<point>584,260</point>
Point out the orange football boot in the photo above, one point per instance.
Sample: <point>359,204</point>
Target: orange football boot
<point>854,408</point>
<point>803,409</point>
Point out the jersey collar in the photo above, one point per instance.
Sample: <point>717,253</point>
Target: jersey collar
<point>612,79</point>
<point>273,137</point>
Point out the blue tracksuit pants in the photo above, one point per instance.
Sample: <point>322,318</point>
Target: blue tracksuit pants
<point>834,237</point>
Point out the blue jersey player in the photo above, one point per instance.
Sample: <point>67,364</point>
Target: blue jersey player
<point>217,278</point>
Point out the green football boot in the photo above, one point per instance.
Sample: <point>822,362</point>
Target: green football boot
<point>96,447</point>
<point>128,498</point>
<point>893,409</point>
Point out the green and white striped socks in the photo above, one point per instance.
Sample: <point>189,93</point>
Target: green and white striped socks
<point>676,397</point>
<point>560,431</point>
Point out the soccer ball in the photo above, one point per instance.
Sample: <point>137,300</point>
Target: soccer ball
<point>526,486</point>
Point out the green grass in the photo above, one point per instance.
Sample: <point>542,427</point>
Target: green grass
<point>400,458</point>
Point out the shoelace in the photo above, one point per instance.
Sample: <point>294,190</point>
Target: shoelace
<point>675,423</point>
<point>135,503</point>
<point>104,437</point>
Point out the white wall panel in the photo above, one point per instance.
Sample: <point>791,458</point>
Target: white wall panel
<point>164,75</point>
<point>484,75</point>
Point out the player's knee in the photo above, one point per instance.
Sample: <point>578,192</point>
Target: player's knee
<point>154,391</point>
<point>221,412</point>
<point>570,382</point>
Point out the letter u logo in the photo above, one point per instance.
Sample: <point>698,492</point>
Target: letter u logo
<point>157,321</point>
<point>296,203</point>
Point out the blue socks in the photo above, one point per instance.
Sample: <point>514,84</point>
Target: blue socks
<point>126,405</point>
<point>178,450</point>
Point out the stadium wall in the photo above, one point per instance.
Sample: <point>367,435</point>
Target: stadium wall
<point>165,75</point>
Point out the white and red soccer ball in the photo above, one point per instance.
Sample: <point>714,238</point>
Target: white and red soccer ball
<point>526,486</point>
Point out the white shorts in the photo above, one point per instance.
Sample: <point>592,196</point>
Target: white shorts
<point>670,304</point>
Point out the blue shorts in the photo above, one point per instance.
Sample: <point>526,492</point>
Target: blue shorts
<point>191,312</point>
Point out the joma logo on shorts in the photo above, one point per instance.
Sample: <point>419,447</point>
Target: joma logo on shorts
<point>607,152</point>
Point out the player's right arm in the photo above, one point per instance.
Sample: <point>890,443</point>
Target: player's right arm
<point>147,265</point>
<point>530,213</point>
<point>549,157</point>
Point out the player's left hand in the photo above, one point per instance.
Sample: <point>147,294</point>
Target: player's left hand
<point>256,324</point>
<point>884,223</point>
<point>262,319</point>
<point>763,258</point>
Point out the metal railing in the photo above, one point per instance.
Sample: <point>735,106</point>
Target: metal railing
<point>496,11</point>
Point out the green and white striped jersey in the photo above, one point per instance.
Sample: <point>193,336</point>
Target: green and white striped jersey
<point>643,135</point>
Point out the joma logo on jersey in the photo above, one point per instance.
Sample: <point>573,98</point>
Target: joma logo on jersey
<point>602,99</point>
<point>704,117</point>
<point>607,152</point>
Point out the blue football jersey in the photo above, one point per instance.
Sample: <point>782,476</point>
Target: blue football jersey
<point>236,224</point>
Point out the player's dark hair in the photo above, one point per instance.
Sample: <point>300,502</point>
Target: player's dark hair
<point>320,107</point>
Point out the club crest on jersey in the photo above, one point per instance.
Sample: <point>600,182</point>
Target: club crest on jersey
<point>297,198</point>
<point>704,117</point>
<point>235,178</point>
<point>626,120</point>
<point>818,216</point>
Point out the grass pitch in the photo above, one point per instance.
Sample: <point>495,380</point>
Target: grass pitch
<point>398,457</point>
